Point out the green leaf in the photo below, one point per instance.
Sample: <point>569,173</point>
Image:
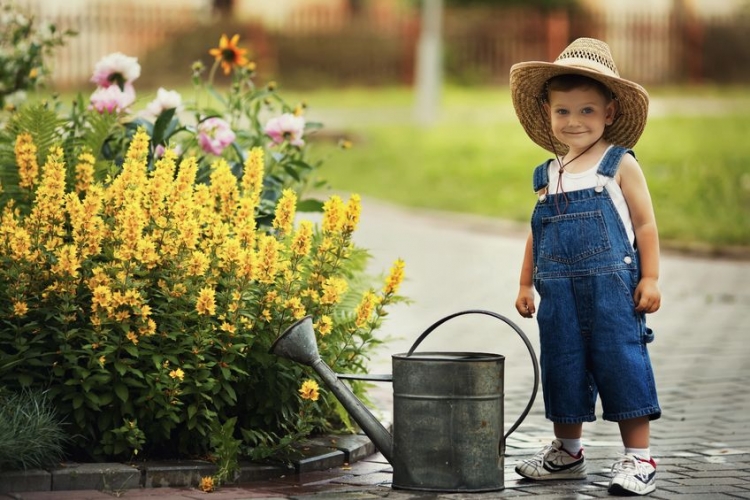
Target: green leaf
<point>122,391</point>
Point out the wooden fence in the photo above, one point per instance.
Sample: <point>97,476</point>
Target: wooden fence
<point>333,47</point>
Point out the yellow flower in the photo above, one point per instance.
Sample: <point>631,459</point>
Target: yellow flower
<point>177,374</point>
<point>132,337</point>
<point>84,172</point>
<point>102,360</point>
<point>353,211</point>
<point>28,168</point>
<point>207,484</point>
<point>309,390</point>
<point>302,241</point>
<point>395,278</point>
<point>252,177</point>
<point>295,305</point>
<point>229,54</point>
<point>333,214</point>
<point>285,211</point>
<point>333,288</point>
<point>20,308</point>
<point>198,263</point>
<point>324,325</point>
<point>365,308</point>
<point>268,257</point>
<point>206,304</point>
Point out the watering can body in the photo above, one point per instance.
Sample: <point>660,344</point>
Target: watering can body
<point>448,410</point>
<point>448,421</point>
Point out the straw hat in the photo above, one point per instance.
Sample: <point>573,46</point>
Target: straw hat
<point>588,57</point>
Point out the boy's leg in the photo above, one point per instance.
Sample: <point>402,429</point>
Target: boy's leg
<point>635,473</point>
<point>554,461</point>
<point>636,432</point>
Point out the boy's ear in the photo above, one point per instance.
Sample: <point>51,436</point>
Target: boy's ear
<point>545,105</point>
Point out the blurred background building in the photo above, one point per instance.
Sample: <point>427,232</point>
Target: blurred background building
<point>310,43</point>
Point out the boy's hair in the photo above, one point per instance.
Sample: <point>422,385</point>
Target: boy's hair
<point>571,81</point>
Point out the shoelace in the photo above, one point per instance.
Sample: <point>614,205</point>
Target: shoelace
<point>630,462</point>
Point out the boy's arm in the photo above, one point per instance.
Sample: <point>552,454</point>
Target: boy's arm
<point>635,190</point>
<point>525,300</point>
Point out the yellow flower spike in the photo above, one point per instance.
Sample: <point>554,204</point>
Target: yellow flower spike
<point>333,290</point>
<point>26,159</point>
<point>395,278</point>
<point>139,146</point>
<point>285,212</point>
<point>352,214</point>
<point>223,188</point>
<point>365,309</point>
<point>198,263</point>
<point>84,172</point>
<point>252,177</point>
<point>206,304</point>
<point>302,240</point>
<point>268,259</point>
<point>229,54</point>
<point>333,214</point>
<point>309,390</point>
<point>68,263</point>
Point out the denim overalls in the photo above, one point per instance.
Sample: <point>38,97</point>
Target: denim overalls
<point>592,340</point>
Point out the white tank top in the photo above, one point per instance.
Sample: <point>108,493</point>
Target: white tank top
<point>590,179</point>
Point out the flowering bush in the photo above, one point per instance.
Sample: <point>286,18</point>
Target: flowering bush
<point>144,279</point>
<point>23,46</point>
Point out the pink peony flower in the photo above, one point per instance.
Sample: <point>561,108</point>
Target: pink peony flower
<point>116,68</point>
<point>286,127</point>
<point>214,134</point>
<point>112,99</point>
<point>165,99</point>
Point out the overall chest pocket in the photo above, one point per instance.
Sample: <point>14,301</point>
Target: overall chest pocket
<point>570,238</point>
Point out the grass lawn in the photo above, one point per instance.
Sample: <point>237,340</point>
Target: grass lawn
<point>476,158</point>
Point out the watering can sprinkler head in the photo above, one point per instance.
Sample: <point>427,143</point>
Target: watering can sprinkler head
<point>298,343</point>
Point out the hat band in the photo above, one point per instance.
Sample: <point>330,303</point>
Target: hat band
<point>588,65</point>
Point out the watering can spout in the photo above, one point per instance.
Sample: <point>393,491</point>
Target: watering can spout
<point>298,344</point>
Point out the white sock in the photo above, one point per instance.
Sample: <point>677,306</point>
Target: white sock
<point>644,453</point>
<point>572,446</point>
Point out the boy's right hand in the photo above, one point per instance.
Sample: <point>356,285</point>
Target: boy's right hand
<point>525,302</point>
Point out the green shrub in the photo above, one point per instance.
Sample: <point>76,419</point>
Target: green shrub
<point>148,264</point>
<point>31,433</point>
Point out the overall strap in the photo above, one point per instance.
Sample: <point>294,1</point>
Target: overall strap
<point>611,161</point>
<point>541,176</point>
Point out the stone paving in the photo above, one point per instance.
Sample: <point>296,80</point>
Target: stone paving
<point>701,359</point>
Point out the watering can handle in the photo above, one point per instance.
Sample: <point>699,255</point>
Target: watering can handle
<point>520,334</point>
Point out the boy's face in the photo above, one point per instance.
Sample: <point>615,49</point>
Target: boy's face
<point>578,116</point>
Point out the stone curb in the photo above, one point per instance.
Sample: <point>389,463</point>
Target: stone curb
<point>315,454</point>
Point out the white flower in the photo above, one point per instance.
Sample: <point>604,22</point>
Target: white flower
<point>286,127</point>
<point>116,68</point>
<point>165,99</point>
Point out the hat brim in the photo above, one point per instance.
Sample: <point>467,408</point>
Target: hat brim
<point>527,81</point>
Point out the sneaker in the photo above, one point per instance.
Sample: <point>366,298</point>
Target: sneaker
<point>633,475</point>
<point>553,462</point>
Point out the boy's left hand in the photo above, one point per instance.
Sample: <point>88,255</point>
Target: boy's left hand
<point>647,296</point>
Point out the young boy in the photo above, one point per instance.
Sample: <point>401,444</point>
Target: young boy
<point>593,257</point>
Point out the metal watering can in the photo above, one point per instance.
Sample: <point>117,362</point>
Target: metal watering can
<point>447,408</point>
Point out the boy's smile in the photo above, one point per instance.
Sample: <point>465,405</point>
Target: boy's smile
<point>578,117</point>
